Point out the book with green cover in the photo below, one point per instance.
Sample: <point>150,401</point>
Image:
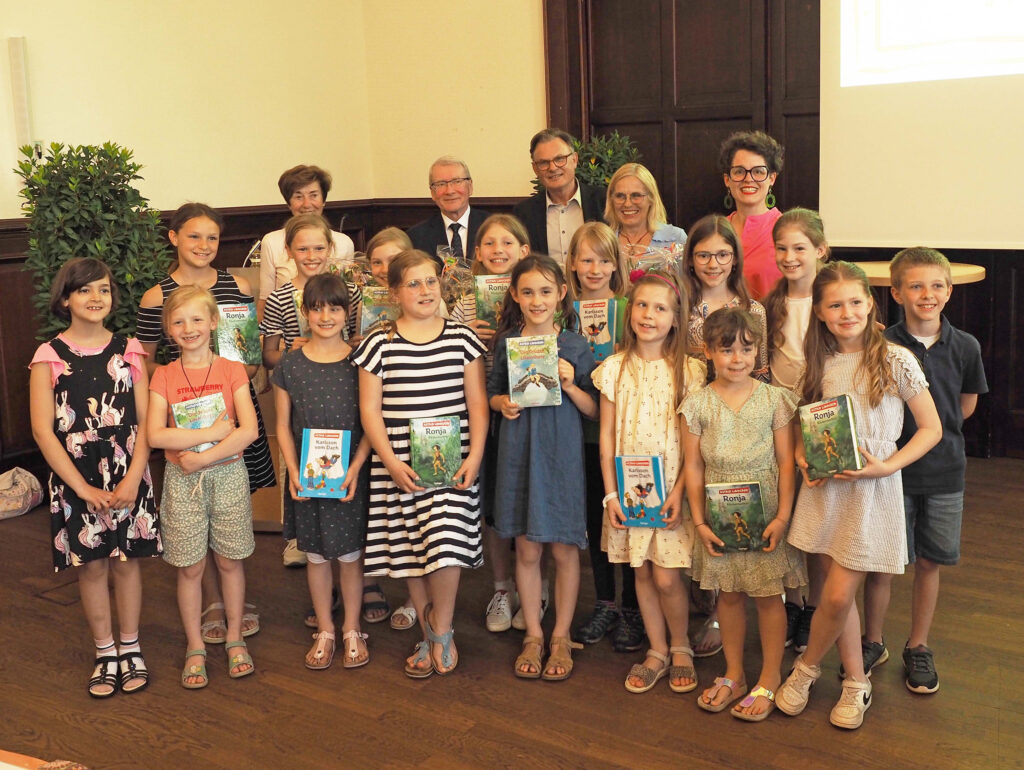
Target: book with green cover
<point>533,370</point>
<point>490,291</point>
<point>199,413</point>
<point>376,309</point>
<point>323,462</point>
<point>829,431</point>
<point>435,450</point>
<point>641,480</point>
<point>238,333</point>
<point>299,315</point>
<point>735,513</point>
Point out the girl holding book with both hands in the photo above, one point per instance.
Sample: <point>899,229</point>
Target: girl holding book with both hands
<point>316,388</point>
<point>539,494</point>
<point>738,430</point>
<point>855,521</point>
<point>642,389</point>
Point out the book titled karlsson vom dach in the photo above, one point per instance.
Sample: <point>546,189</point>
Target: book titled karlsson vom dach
<point>597,324</point>
<point>323,462</point>
<point>641,480</point>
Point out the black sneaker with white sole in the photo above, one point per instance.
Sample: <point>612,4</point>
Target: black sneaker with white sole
<point>920,666</point>
<point>875,654</point>
<point>792,621</point>
<point>803,628</point>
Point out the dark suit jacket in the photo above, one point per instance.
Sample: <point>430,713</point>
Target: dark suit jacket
<point>534,214</point>
<point>430,233</point>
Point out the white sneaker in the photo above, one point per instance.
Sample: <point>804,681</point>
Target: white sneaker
<point>292,556</point>
<point>848,713</point>
<point>792,696</point>
<point>519,622</point>
<point>499,612</point>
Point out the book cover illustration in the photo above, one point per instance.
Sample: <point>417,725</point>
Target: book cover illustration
<point>641,480</point>
<point>490,291</point>
<point>435,450</point>
<point>299,315</point>
<point>597,324</point>
<point>199,413</point>
<point>238,333</point>
<point>323,461</point>
<point>533,370</point>
<point>735,513</point>
<point>829,431</point>
<point>376,309</point>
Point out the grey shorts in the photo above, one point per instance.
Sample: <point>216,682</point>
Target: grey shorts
<point>207,509</point>
<point>933,526</point>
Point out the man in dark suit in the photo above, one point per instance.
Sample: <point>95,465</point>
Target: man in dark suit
<point>553,216</point>
<point>455,224</point>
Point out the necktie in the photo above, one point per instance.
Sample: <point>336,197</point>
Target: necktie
<point>456,240</point>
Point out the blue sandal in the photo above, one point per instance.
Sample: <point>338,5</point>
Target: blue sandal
<point>421,653</point>
<point>448,658</point>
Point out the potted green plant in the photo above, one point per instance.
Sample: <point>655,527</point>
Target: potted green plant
<point>600,157</point>
<point>82,204</point>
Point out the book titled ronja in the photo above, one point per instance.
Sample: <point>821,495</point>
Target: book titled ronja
<point>735,513</point>
<point>198,413</point>
<point>238,333</point>
<point>489,293</point>
<point>829,431</point>
<point>533,370</point>
<point>597,324</point>
<point>641,480</point>
<point>323,462</point>
<point>435,450</point>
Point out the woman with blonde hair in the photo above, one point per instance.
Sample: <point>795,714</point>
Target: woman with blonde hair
<point>634,210</point>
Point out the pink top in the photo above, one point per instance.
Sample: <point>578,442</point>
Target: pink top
<point>45,354</point>
<point>759,266</point>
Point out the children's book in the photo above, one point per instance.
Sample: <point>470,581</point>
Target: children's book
<point>323,461</point>
<point>435,450</point>
<point>490,291</point>
<point>300,317</point>
<point>533,370</point>
<point>736,514</point>
<point>641,481</point>
<point>238,333</point>
<point>597,324</point>
<point>200,413</point>
<point>829,429</point>
<point>376,309</point>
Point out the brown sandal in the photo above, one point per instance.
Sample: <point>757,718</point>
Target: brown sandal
<point>561,657</point>
<point>526,659</point>
<point>682,672</point>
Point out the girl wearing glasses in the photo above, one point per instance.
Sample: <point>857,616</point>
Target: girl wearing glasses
<point>635,212</point>
<point>422,366</point>
<point>750,161</point>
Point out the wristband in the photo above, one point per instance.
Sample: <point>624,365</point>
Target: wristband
<point>606,498</point>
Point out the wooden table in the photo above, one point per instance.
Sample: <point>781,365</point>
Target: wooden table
<point>878,272</point>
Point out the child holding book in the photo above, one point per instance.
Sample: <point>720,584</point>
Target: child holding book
<point>596,271</point>
<point>933,486</point>
<point>205,505</point>
<point>316,388</point>
<point>501,241</point>
<point>738,430</point>
<point>800,251</point>
<point>103,517</point>
<point>713,264</point>
<point>539,493</point>
<point>642,389</point>
<point>422,366</point>
<point>194,231</point>
<point>854,520</point>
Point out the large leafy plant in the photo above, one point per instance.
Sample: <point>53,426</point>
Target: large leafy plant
<point>600,157</point>
<point>82,204</point>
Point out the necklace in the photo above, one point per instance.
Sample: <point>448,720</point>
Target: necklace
<point>632,245</point>
<point>201,387</point>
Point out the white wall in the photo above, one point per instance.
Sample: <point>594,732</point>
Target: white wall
<point>217,99</point>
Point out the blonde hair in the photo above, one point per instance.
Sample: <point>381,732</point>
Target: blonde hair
<point>656,214</point>
<point>182,296</point>
<point>603,242</point>
<point>388,235</point>
<point>308,222</point>
<point>505,221</point>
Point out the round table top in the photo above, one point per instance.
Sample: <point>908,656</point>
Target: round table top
<point>878,272</point>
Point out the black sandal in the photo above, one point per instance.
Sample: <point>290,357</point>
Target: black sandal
<point>105,673</point>
<point>376,604</point>
<point>132,667</point>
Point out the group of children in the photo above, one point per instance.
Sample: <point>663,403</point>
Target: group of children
<point>704,378</point>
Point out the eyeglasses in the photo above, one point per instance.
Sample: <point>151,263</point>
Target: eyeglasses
<point>757,173</point>
<point>559,161</point>
<point>431,283</point>
<point>704,257</point>
<point>456,182</point>
<point>635,197</point>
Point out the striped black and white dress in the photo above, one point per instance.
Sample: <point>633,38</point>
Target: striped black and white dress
<point>149,329</point>
<point>413,534</point>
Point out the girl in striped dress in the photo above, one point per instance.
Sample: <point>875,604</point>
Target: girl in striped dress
<point>422,366</point>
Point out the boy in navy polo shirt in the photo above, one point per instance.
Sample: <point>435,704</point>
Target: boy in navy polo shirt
<point>933,487</point>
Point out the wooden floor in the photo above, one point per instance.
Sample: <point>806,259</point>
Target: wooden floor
<point>481,716</point>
